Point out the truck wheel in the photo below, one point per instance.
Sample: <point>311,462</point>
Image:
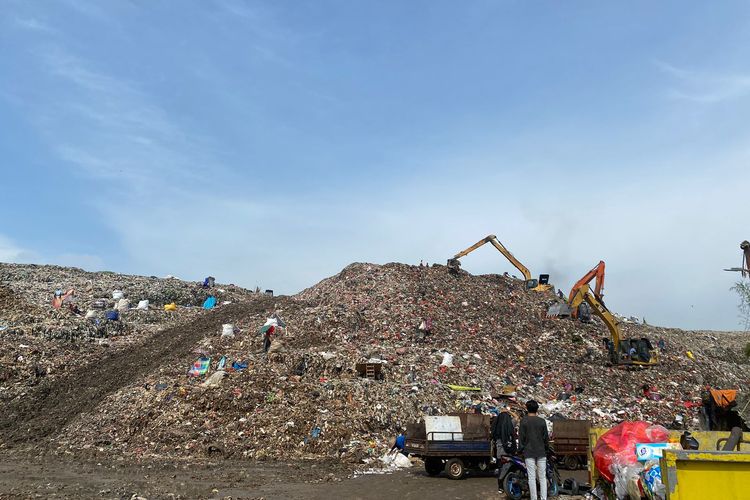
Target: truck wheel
<point>454,468</point>
<point>570,462</point>
<point>433,466</point>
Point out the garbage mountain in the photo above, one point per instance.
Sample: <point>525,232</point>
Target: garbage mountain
<point>356,357</point>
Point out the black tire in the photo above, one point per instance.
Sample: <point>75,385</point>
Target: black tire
<point>513,485</point>
<point>433,466</point>
<point>570,462</point>
<point>454,468</point>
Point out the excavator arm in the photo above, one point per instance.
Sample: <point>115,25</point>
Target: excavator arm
<point>599,309</point>
<point>596,273</point>
<point>454,262</point>
<point>584,294</point>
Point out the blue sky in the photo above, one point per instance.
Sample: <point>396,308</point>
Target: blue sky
<point>273,143</point>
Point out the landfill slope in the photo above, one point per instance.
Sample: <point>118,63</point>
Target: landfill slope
<point>308,400</point>
<point>55,403</point>
<point>39,343</point>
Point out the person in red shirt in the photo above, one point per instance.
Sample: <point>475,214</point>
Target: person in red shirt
<point>267,338</point>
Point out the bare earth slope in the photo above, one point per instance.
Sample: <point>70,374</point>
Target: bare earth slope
<point>55,403</point>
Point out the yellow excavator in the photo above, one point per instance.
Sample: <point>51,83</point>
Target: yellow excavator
<point>633,352</point>
<point>540,285</point>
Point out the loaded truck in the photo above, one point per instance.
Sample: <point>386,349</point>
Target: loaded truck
<point>454,444</point>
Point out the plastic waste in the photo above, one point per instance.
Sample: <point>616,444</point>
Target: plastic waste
<point>616,447</point>
<point>227,330</point>
<point>123,305</point>
<point>239,365</point>
<point>271,321</point>
<point>170,307</point>
<point>651,478</point>
<point>447,359</point>
<point>142,305</point>
<point>118,294</point>
<point>624,476</point>
<point>200,367</point>
<point>397,460</point>
<point>215,379</point>
<point>209,303</point>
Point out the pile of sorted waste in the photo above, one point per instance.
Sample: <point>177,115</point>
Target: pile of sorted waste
<point>54,319</point>
<point>353,359</point>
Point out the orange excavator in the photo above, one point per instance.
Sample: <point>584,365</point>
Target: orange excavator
<point>584,301</point>
<point>597,273</point>
<point>581,310</point>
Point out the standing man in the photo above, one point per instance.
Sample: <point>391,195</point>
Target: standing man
<point>533,442</point>
<point>504,435</point>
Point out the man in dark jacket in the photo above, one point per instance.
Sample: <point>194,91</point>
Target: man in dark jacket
<point>533,441</point>
<point>504,435</point>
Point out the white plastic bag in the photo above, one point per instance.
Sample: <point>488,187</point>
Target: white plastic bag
<point>123,305</point>
<point>397,460</point>
<point>447,359</point>
<point>271,321</point>
<point>227,330</point>
<point>215,379</point>
<point>624,475</point>
<point>117,294</point>
<point>142,305</point>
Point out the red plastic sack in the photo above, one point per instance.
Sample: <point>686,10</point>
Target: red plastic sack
<point>617,445</point>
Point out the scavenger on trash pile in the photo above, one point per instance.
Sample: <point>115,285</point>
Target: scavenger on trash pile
<point>312,400</point>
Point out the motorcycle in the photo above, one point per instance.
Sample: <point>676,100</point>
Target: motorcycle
<point>514,477</point>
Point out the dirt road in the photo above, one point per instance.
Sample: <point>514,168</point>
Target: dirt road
<point>56,478</point>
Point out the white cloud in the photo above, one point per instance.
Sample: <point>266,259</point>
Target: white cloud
<point>705,87</point>
<point>10,252</point>
<point>120,133</point>
<point>33,24</point>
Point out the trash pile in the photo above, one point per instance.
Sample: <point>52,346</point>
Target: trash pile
<point>54,319</point>
<point>627,457</point>
<point>353,359</point>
